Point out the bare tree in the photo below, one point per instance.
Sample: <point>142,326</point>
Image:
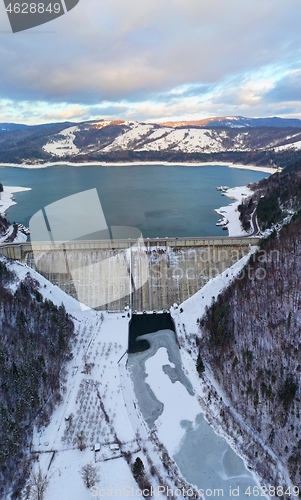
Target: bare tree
<point>90,475</point>
<point>80,438</point>
<point>39,483</point>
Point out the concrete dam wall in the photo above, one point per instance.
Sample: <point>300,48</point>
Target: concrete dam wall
<point>148,274</point>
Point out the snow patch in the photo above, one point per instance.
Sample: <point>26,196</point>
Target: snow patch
<point>63,147</point>
<point>292,145</point>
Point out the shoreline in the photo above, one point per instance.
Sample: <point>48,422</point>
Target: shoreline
<point>230,214</point>
<point>6,197</point>
<point>268,170</point>
<point>6,201</point>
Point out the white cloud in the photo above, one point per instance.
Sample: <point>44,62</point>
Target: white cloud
<point>135,52</point>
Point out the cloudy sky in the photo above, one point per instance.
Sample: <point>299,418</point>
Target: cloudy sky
<point>154,60</point>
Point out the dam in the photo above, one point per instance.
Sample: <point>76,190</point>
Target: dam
<point>144,274</point>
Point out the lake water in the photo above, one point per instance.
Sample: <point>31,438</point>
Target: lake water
<point>159,200</point>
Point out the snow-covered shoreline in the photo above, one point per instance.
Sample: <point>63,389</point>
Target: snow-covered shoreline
<point>7,201</point>
<point>141,163</point>
<point>6,197</point>
<point>230,213</point>
<point>256,168</point>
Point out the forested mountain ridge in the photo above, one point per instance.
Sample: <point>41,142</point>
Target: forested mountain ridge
<point>34,345</point>
<point>277,198</point>
<point>234,141</point>
<point>251,339</point>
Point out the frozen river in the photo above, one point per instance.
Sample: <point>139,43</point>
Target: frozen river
<point>167,401</point>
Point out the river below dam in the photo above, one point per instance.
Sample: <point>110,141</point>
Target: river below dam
<point>167,401</point>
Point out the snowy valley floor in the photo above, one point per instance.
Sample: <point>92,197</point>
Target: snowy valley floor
<point>98,399</point>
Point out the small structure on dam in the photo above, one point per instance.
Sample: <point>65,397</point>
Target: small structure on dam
<point>149,274</point>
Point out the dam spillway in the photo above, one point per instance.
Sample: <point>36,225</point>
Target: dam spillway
<point>142,324</point>
<point>151,274</point>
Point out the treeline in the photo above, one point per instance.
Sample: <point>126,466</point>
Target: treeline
<point>282,194</point>
<point>262,158</point>
<point>245,210</point>
<point>4,225</point>
<point>251,338</point>
<point>34,344</point>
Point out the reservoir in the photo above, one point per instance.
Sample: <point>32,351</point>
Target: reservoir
<point>159,200</point>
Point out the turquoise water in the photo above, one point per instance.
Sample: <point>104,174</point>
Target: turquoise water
<point>159,200</point>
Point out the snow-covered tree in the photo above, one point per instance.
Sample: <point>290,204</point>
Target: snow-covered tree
<point>90,475</point>
<point>39,483</point>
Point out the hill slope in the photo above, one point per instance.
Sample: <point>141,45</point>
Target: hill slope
<point>250,339</point>
<point>35,340</point>
<point>107,140</point>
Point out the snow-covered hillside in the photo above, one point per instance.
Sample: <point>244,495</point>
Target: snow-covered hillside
<point>264,142</point>
<point>114,137</point>
<point>63,146</point>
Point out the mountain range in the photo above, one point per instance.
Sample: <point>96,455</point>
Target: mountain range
<point>262,141</point>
